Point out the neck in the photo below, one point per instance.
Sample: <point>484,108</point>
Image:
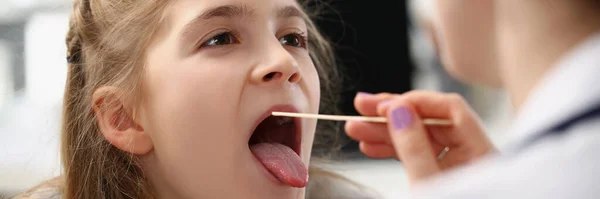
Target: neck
<point>159,187</point>
<point>534,34</point>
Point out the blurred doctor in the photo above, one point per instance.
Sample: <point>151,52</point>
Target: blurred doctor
<point>546,55</point>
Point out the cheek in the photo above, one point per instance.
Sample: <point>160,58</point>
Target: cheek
<point>312,91</point>
<point>192,96</point>
<point>189,112</point>
<point>464,30</point>
<point>310,84</point>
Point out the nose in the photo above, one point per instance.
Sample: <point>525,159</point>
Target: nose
<point>278,66</point>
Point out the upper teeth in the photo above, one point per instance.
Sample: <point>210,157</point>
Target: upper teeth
<point>283,120</point>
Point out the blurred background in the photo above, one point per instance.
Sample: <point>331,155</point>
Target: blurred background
<point>33,73</point>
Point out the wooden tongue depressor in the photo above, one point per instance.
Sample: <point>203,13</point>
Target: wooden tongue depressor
<point>428,121</point>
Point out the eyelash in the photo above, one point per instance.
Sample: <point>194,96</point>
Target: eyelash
<point>303,39</point>
<point>231,35</point>
<point>232,38</point>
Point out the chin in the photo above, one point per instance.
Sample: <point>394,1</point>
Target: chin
<point>462,73</point>
<point>471,71</point>
<point>294,193</point>
<point>266,190</point>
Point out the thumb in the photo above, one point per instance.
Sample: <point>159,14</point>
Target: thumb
<point>411,142</point>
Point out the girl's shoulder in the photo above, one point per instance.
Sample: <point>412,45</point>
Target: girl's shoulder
<point>42,193</point>
<point>47,190</point>
<point>326,184</point>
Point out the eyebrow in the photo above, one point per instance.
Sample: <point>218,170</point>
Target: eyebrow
<point>289,12</point>
<point>232,11</point>
<point>227,11</point>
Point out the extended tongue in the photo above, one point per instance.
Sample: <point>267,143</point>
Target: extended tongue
<point>282,162</point>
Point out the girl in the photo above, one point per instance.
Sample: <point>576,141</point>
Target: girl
<point>544,53</point>
<point>171,99</point>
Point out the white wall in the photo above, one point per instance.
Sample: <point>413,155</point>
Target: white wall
<point>45,57</point>
<point>30,126</point>
<point>11,10</point>
<point>6,80</point>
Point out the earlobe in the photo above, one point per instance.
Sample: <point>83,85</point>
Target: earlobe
<point>116,122</point>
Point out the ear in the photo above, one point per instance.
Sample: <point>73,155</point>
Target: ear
<point>116,122</point>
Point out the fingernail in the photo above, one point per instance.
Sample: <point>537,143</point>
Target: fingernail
<point>401,118</point>
<point>364,94</point>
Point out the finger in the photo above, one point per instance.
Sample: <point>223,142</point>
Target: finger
<point>372,133</point>
<point>431,104</point>
<point>366,104</point>
<point>428,104</point>
<point>377,150</point>
<point>437,145</point>
<point>411,142</point>
<point>386,150</point>
<point>445,136</point>
<point>367,132</point>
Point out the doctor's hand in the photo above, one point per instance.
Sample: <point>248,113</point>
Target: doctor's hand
<point>416,145</point>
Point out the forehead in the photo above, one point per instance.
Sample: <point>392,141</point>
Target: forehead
<point>186,10</point>
<point>181,14</point>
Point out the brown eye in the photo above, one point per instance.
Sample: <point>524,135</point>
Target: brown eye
<point>294,40</point>
<point>225,38</point>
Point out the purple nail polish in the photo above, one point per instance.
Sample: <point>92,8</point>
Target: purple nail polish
<point>401,118</point>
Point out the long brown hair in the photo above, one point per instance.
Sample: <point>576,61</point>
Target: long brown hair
<point>106,44</point>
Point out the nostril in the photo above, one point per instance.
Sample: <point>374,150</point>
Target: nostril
<point>295,78</point>
<point>271,76</point>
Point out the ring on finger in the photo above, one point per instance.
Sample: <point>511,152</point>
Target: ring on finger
<point>443,153</point>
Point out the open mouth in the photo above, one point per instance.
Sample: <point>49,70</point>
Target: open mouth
<point>281,130</point>
<point>276,143</point>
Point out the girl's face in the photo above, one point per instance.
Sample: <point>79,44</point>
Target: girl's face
<point>466,34</point>
<point>214,73</point>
